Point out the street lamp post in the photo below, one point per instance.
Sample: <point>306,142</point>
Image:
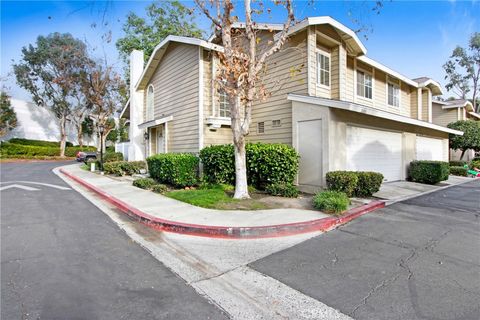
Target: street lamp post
<point>101,128</point>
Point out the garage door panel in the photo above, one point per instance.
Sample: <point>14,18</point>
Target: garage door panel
<point>375,150</point>
<point>429,149</point>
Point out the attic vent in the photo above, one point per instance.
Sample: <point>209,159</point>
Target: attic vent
<point>276,123</point>
<point>261,127</point>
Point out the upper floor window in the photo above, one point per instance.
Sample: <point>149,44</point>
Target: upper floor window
<point>150,100</point>
<point>323,68</point>
<point>393,94</point>
<point>223,105</point>
<point>364,84</point>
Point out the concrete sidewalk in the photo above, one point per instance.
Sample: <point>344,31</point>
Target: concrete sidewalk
<point>166,208</point>
<point>402,190</point>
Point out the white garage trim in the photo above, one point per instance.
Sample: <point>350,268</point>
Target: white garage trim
<point>429,149</point>
<point>375,150</point>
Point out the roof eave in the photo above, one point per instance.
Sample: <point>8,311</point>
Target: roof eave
<point>354,107</point>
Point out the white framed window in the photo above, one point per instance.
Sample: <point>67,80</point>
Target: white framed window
<point>393,94</point>
<point>223,105</point>
<point>323,68</point>
<point>364,84</point>
<point>261,127</point>
<point>150,103</point>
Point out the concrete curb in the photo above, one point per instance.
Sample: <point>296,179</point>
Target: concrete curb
<point>324,224</point>
<point>390,202</point>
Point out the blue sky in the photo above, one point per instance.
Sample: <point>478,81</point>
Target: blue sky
<point>412,37</point>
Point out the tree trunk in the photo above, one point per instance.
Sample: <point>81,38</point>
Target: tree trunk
<point>80,135</point>
<point>241,185</point>
<point>63,136</point>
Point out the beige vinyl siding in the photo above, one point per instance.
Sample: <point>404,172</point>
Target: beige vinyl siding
<point>335,73</point>
<point>443,116</point>
<point>350,81</point>
<point>424,105</point>
<point>280,81</point>
<point>176,85</point>
<point>414,104</point>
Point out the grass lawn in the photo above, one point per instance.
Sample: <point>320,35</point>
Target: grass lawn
<point>218,197</point>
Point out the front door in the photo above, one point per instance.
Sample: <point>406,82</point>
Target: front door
<point>160,140</point>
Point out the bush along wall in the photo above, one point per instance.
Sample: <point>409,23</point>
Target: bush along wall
<point>354,183</point>
<point>429,172</point>
<point>121,168</point>
<point>177,169</point>
<point>459,171</point>
<point>267,163</point>
<point>11,150</point>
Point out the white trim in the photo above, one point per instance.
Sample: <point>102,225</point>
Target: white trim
<point>399,85</point>
<point>153,123</point>
<point>328,38</point>
<point>317,74</point>
<point>350,34</point>
<point>148,116</point>
<point>214,91</point>
<point>217,122</point>
<point>451,106</point>
<point>474,114</point>
<point>309,62</point>
<point>354,79</point>
<point>163,46</point>
<point>165,136</point>
<point>429,105</point>
<point>354,107</point>
<point>431,82</point>
<point>200,98</point>
<point>372,75</point>
<point>419,103</point>
<point>125,107</point>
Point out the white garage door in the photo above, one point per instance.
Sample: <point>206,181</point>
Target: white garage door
<point>429,149</point>
<point>375,150</point>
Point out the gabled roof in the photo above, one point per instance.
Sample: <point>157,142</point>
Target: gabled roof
<point>348,35</point>
<point>456,103</point>
<point>474,114</point>
<point>159,51</point>
<point>387,70</point>
<point>431,84</point>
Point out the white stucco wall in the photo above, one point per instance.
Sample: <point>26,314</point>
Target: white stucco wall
<point>34,122</point>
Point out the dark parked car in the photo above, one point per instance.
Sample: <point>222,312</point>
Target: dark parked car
<point>83,156</point>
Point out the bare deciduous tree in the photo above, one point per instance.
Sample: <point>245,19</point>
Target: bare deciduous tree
<point>241,67</point>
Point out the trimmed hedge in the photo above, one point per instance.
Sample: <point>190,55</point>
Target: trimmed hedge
<point>159,188</point>
<point>282,189</point>
<point>429,172</point>
<point>11,150</point>
<point>368,183</point>
<point>331,201</point>
<point>355,183</point>
<point>177,169</point>
<point>38,143</point>
<point>459,171</point>
<point>474,164</point>
<point>121,168</point>
<point>457,163</point>
<point>144,183</point>
<point>267,163</point>
<point>342,181</point>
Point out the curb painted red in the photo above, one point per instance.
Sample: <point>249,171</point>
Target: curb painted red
<point>256,232</point>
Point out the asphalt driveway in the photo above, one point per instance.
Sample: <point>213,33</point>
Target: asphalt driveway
<point>418,259</point>
<point>63,258</point>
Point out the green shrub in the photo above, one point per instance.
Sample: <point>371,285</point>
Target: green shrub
<point>159,188</point>
<point>267,163</point>
<point>11,150</point>
<point>342,181</point>
<point>459,171</point>
<point>474,164</point>
<point>38,143</point>
<point>429,172</point>
<point>282,189</point>
<point>368,183</point>
<point>218,164</point>
<point>331,201</point>
<point>112,156</point>
<point>178,169</point>
<point>72,151</point>
<point>121,168</point>
<point>457,163</point>
<point>144,183</point>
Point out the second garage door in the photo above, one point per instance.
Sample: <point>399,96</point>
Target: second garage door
<point>429,149</point>
<point>375,150</point>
